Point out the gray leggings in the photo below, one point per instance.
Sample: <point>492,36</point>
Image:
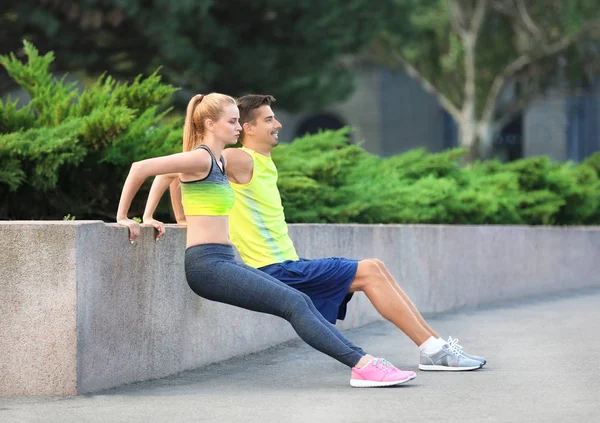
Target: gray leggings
<point>213,273</point>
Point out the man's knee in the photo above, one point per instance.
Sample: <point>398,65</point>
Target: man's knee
<point>368,267</point>
<point>384,270</point>
<point>375,266</point>
<point>368,274</point>
<point>379,263</point>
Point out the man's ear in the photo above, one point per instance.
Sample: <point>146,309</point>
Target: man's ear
<point>248,128</point>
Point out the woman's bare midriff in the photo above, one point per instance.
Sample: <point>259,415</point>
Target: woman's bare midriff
<point>207,230</point>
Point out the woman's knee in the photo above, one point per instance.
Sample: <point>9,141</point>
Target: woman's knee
<point>297,302</point>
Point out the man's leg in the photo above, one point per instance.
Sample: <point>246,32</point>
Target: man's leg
<point>404,296</point>
<point>388,301</point>
<point>395,308</point>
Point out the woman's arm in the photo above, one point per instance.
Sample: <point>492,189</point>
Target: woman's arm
<point>175,191</point>
<point>159,186</point>
<point>193,162</point>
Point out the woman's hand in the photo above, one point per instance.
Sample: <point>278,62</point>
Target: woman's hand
<point>156,224</point>
<point>133,226</point>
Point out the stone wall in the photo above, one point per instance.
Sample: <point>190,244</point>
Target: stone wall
<point>84,310</point>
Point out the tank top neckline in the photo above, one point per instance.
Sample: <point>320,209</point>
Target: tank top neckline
<point>254,152</point>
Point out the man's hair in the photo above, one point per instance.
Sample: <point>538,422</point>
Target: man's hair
<point>248,106</point>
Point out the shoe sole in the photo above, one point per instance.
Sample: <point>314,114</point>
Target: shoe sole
<point>356,383</point>
<point>436,368</point>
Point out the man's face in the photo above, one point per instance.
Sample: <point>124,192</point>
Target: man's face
<point>265,129</point>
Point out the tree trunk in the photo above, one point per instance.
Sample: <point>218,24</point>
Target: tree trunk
<point>486,134</point>
<point>467,132</point>
<point>468,119</point>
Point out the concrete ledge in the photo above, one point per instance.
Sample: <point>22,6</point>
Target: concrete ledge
<point>445,267</point>
<point>84,310</point>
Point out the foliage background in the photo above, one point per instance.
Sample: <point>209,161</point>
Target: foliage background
<point>324,178</point>
<point>68,152</point>
<point>295,50</point>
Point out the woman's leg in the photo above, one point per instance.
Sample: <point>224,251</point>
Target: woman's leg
<point>317,314</point>
<point>234,283</point>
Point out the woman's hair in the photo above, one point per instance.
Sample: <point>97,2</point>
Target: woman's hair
<point>200,108</point>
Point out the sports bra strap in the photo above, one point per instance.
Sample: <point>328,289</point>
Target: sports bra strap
<point>205,147</point>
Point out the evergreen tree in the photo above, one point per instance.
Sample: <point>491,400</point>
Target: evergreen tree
<point>68,152</point>
<point>292,49</point>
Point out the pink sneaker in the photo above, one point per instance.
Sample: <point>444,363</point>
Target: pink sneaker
<point>379,372</point>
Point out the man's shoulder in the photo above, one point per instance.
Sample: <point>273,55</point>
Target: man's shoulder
<point>237,157</point>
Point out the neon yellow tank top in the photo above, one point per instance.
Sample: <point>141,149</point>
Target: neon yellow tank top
<point>257,225</point>
<point>211,196</point>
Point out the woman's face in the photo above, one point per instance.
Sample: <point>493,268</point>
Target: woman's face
<point>227,129</point>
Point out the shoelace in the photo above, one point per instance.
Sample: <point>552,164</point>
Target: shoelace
<point>387,363</point>
<point>454,348</point>
<point>381,364</point>
<point>453,342</point>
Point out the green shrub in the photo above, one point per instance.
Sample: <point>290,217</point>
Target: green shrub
<point>325,178</point>
<point>71,150</point>
<point>593,162</point>
<point>14,119</point>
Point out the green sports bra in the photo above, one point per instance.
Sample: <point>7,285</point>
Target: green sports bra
<point>210,196</point>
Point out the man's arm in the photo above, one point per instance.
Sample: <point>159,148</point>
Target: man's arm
<point>239,165</point>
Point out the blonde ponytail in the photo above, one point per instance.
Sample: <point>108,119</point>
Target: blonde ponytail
<point>192,133</point>
<point>200,108</point>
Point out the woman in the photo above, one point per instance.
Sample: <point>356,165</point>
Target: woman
<point>211,123</point>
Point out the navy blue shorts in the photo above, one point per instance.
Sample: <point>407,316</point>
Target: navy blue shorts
<point>326,281</point>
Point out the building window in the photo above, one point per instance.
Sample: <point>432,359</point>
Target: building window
<point>509,143</point>
<point>450,131</point>
<point>583,131</point>
<point>314,123</point>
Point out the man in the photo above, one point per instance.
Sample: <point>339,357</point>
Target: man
<point>259,232</point>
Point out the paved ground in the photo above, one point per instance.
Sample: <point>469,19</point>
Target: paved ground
<point>542,366</point>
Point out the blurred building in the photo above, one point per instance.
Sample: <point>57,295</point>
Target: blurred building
<point>391,113</point>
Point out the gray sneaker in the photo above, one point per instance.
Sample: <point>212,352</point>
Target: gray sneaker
<point>449,358</point>
<point>453,341</point>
